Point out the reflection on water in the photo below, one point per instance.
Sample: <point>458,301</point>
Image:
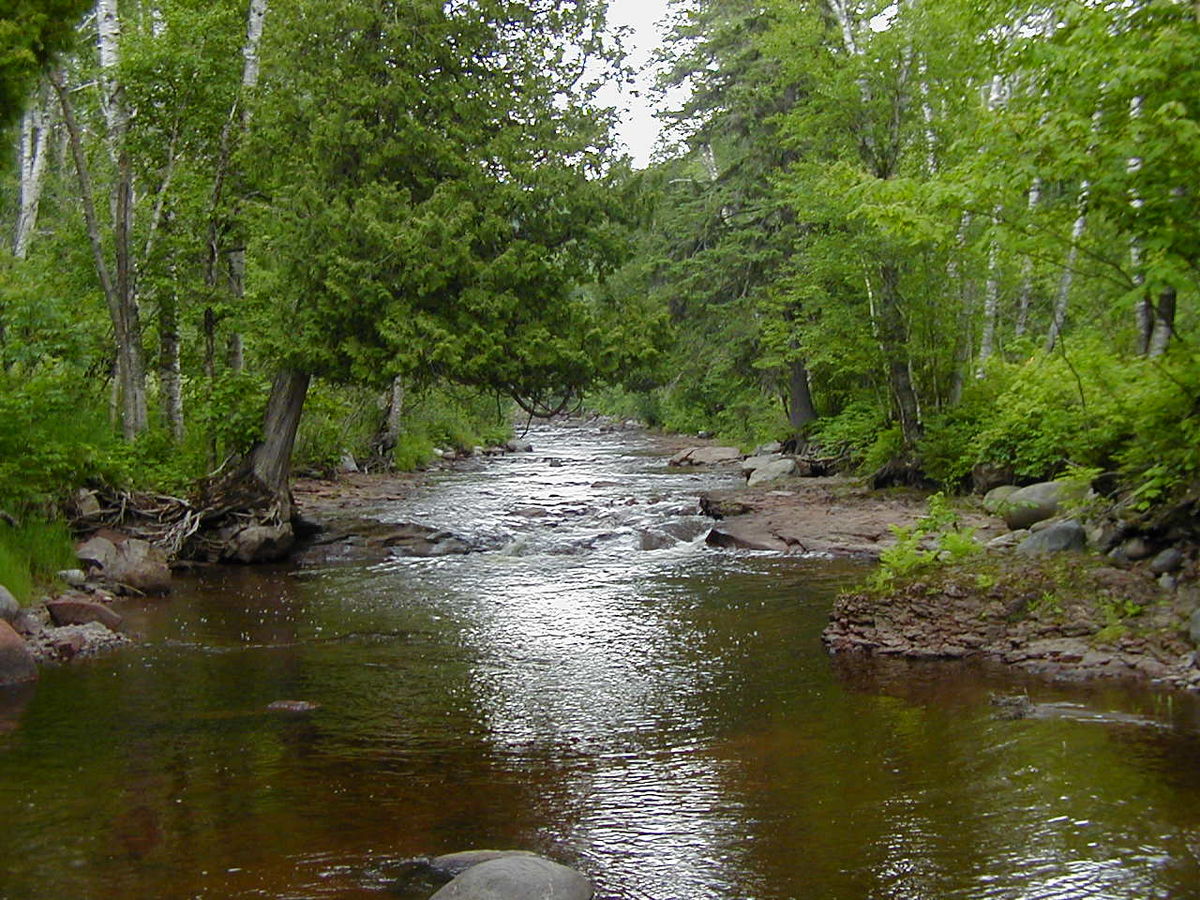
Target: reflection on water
<point>600,687</point>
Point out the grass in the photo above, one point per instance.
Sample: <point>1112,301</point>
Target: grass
<point>31,554</point>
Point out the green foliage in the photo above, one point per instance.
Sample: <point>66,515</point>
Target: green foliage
<point>52,440</point>
<point>31,553</point>
<point>934,538</point>
<point>30,34</point>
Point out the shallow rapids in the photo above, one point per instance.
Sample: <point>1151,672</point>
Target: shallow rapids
<point>596,685</point>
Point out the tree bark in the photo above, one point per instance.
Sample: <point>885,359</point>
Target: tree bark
<point>169,370</point>
<point>35,134</point>
<point>800,403</point>
<point>271,459</point>
<point>1025,298</point>
<point>894,339</point>
<point>1058,318</point>
<point>1164,322</point>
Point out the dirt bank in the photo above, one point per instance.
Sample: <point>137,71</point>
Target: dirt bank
<point>1070,616</point>
<point>833,516</point>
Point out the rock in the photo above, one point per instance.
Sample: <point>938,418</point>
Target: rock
<point>293,706</point>
<point>1058,538</point>
<point>711,456</point>
<point>517,445</point>
<point>1011,539</point>
<point>1038,501</point>
<point>128,561</point>
<point>28,623</point>
<point>750,463</point>
<point>449,865</point>
<point>683,457</point>
<point>73,577</point>
<point>86,504</point>
<point>254,543</point>
<point>9,607</point>
<point>773,471</point>
<point>704,435</point>
<point>16,662</point>
<point>347,464</point>
<point>554,462</point>
<point>769,449</point>
<point>410,539</point>
<point>1136,548</point>
<point>719,507</point>
<point>69,641</point>
<point>735,537</point>
<point>1167,561</point>
<point>655,540</point>
<point>1167,581</point>
<point>994,500</point>
<point>73,611</point>
<point>97,553</point>
<point>517,878</point>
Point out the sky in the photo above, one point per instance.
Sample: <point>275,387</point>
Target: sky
<point>638,129</point>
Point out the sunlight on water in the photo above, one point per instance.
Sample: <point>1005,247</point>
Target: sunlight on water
<point>596,685</point>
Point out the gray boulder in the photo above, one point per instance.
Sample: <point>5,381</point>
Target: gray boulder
<point>516,445</point>
<point>16,662</point>
<point>771,471</point>
<point>711,456</point>
<point>450,865</point>
<point>9,607</point>
<point>127,561</point>
<point>1168,561</point>
<point>750,463</point>
<point>1058,538</point>
<point>1022,508</point>
<point>262,543</point>
<point>517,878</point>
<point>994,500</point>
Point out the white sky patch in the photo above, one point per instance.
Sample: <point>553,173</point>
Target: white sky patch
<point>638,129</point>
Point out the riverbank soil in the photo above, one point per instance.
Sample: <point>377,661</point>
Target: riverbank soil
<point>1068,616</point>
<point>833,515</point>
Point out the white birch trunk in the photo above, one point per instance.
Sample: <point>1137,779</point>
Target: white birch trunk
<point>108,26</point>
<point>991,302</point>
<point>1062,298</point>
<point>35,137</point>
<point>1025,298</point>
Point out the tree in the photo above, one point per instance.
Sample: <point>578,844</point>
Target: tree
<point>432,215</point>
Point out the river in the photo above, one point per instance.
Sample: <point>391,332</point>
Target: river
<point>599,687</point>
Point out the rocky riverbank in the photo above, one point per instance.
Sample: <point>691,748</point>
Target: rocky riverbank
<point>1059,583</point>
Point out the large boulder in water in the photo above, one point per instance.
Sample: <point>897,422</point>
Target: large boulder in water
<point>16,662</point>
<point>517,878</point>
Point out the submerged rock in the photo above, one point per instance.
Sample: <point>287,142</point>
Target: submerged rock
<point>450,865</point>
<point>517,878</point>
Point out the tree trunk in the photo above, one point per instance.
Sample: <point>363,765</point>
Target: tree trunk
<point>800,403</point>
<point>169,371</point>
<point>1059,317</point>
<point>35,133</point>
<point>894,340</point>
<point>1025,299</point>
<point>271,459</point>
<point>1164,322</point>
<point>390,434</point>
<point>247,514</point>
<point>991,303</point>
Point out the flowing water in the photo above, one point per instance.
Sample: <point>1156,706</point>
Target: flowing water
<point>599,687</point>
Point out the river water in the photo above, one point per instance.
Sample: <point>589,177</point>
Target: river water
<point>599,687</point>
